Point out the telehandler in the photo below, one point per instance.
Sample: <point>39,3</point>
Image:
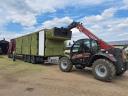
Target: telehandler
<point>105,60</point>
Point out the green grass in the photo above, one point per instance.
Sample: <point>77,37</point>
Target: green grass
<point>18,68</point>
<point>1,56</point>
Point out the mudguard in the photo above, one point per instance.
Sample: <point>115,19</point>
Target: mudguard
<point>103,55</point>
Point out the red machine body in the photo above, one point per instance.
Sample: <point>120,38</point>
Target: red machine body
<point>102,44</point>
<point>81,28</point>
<point>12,46</point>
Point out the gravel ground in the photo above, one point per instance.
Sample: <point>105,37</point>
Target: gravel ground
<point>24,79</point>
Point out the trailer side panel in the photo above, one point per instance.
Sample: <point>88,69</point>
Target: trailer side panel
<point>26,45</point>
<point>54,48</point>
<point>19,45</point>
<point>34,43</point>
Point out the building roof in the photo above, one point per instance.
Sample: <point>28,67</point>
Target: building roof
<point>3,41</point>
<point>119,43</point>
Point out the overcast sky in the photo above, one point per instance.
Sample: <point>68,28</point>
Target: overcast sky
<point>108,19</point>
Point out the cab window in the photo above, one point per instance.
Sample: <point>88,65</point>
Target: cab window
<point>94,46</point>
<point>87,43</point>
<point>76,47</point>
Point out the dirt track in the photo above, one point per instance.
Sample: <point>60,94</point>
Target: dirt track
<point>24,79</point>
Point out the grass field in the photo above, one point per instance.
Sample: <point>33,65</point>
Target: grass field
<point>17,68</point>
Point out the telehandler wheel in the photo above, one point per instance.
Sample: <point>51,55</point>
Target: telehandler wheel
<point>79,66</point>
<point>121,73</point>
<point>65,64</point>
<point>103,70</point>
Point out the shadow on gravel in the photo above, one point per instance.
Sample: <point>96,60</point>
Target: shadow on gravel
<point>123,77</point>
<point>29,89</point>
<point>83,72</point>
<point>48,64</point>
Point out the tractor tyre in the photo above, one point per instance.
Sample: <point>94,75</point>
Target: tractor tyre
<point>118,55</point>
<point>65,64</point>
<point>121,73</point>
<point>103,70</point>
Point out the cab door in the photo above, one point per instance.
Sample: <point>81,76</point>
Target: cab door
<point>80,51</point>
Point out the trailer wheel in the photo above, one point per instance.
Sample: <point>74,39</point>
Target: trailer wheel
<point>28,58</point>
<point>14,57</point>
<point>65,64</point>
<point>39,60</point>
<point>25,58</point>
<point>103,70</point>
<point>10,56</point>
<point>33,59</point>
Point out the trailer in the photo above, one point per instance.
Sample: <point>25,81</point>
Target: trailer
<point>39,46</point>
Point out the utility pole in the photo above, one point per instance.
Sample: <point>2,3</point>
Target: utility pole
<point>2,36</point>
